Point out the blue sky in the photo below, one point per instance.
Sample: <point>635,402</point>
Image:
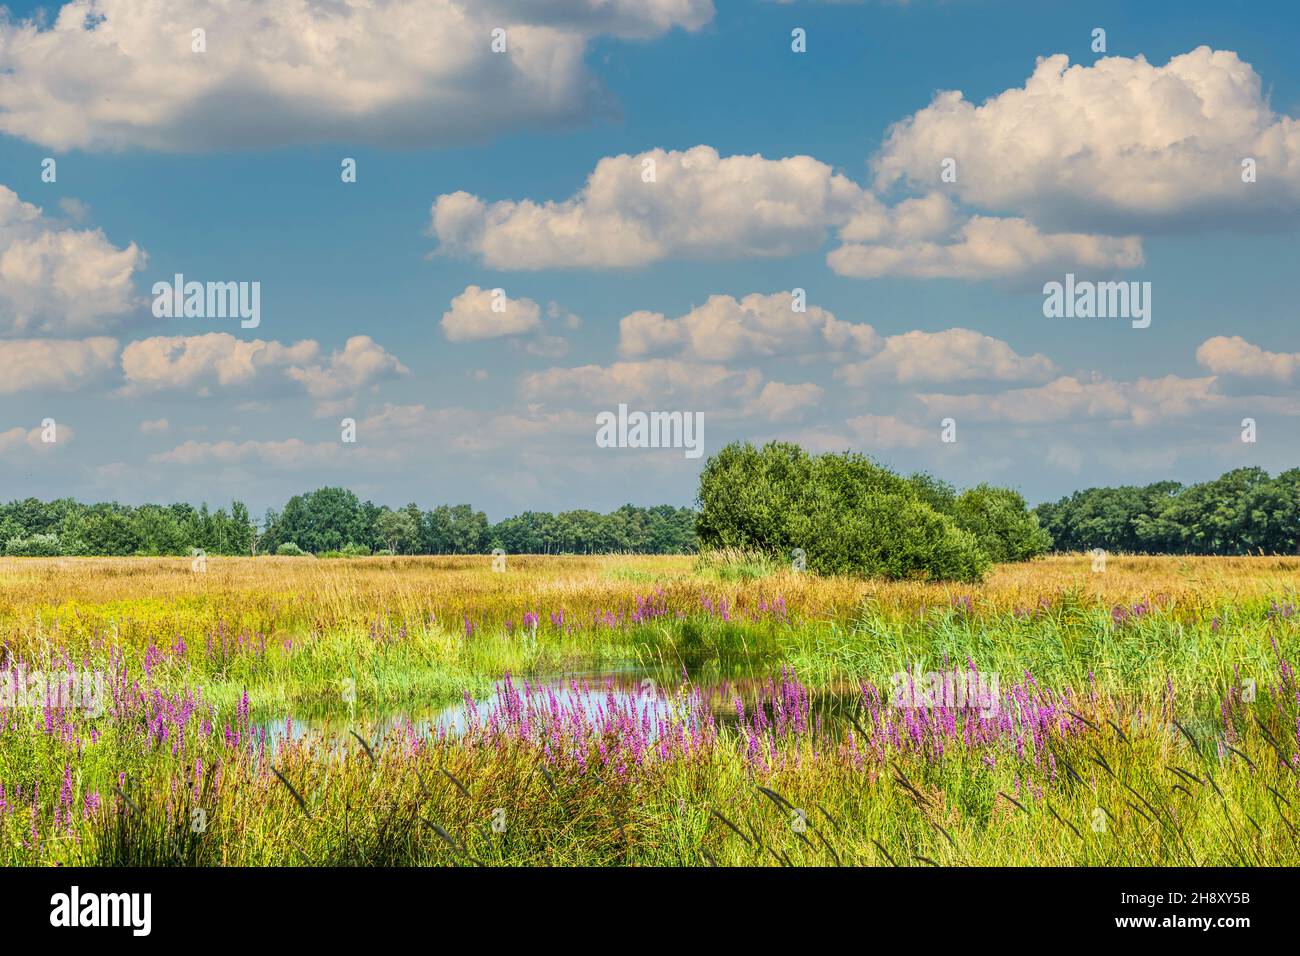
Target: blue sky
<point>925,297</point>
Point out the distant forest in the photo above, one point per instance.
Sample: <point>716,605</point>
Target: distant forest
<point>1242,512</point>
<point>332,521</point>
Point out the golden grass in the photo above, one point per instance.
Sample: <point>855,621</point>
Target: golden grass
<point>294,591</point>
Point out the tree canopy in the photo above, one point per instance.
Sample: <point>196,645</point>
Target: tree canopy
<point>846,514</point>
<point>332,521</point>
<point>1241,512</point>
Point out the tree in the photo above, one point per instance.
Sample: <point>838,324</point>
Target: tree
<point>1241,512</point>
<point>242,531</point>
<point>106,531</point>
<point>1001,522</point>
<point>846,513</point>
<point>398,530</point>
<point>323,520</point>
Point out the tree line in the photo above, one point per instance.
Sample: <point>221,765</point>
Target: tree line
<point>845,512</point>
<point>332,521</point>
<point>1244,511</point>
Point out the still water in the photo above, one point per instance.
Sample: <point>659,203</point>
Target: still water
<point>591,692</point>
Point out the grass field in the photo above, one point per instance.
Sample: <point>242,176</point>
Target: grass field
<point>651,711</point>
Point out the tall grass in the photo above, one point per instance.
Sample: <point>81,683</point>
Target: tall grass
<point>1182,743</point>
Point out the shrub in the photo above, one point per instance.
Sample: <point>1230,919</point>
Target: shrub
<point>745,496</point>
<point>1002,523</point>
<point>347,551</point>
<point>290,550</point>
<point>35,546</point>
<point>888,535</point>
<point>850,515</point>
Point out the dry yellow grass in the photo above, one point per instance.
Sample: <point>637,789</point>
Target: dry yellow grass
<point>164,598</point>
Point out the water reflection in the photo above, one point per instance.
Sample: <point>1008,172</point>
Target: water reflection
<point>593,693</point>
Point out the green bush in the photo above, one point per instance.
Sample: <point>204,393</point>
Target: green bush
<point>745,496</point>
<point>886,535</point>
<point>347,551</point>
<point>35,546</point>
<point>850,515</point>
<point>1002,523</point>
<point>290,550</point>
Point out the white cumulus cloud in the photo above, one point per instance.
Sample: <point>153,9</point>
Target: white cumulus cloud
<point>986,247</point>
<point>1142,402</point>
<point>114,74</point>
<point>488,314</point>
<point>55,364</point>
<point>656,205</point>
<point>954,355</point>
<point>1233,355</point>
<point>656,384</point>
<point>58,280</point>
<point>1122,145</point>
<point>758,325</point>
<point>200,363</point>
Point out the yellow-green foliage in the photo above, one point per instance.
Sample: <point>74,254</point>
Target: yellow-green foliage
<point>1140,645</point>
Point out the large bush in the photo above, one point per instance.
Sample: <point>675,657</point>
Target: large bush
<point>850,515</point>
<point>1001,522</point>
<point>35,546</point>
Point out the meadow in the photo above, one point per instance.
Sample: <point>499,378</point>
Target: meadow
<point>646,710</point>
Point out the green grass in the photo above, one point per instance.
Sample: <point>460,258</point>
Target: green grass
<point>1130,787</point>
<point>1131,800</point>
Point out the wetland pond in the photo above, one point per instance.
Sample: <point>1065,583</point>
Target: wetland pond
<point>597,696</point>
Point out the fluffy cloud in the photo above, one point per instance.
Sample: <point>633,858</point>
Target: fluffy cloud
<point>16,441</point>
<point>955,355</point>
<point>56,280</point>
<point>888,431</point>
<point>781,402</point>
<point>122,73</point>
<point>755,326</point>
<point>699,205</point>
<point>54,364</point>
<point>360,364</point>
<point>1233,355</point>
<point>986,247</point>
<point>1119,145</point>
<point>922,217</point>
<point>657,384</point>
<point>472,316</point>
<point>1141,402</point>
<point>199,363</point>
